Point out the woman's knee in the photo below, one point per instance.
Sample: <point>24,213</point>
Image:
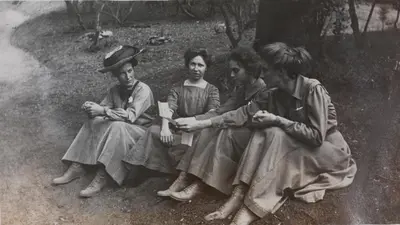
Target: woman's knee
<point>117,125</point>
<point>154,131</point>
<point>274,132</point>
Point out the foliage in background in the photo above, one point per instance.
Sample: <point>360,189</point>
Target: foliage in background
<point>383,11</point>
<point>239,15</point>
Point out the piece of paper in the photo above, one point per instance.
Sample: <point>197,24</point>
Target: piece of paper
<point>164,110</point>
<point>187,138</point>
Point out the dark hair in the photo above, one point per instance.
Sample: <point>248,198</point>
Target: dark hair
<point>295,60</point>
<point>248,58</point>
<point>197,51</point>
<point>133,62</point>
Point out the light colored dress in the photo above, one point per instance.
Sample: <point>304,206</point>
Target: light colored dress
<point>106,140</point>
<point>302,155</point>
<point>215,153</point>
<point>185,100</point>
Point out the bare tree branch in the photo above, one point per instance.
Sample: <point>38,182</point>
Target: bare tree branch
<point>129,12</point>
<point>369,17</point>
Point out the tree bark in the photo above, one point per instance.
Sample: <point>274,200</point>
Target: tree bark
<point>229,30</point>
<point>354,21</point>
<point>397,16</point>
<point>70,8</point>
<point>369,17</point>
<point>129,12</point>
<point>73,11</point>
<point>98,26</point>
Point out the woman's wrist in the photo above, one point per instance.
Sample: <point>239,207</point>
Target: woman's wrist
<point>105,111</point>
<point>206,123</point>
<point>282,121</point>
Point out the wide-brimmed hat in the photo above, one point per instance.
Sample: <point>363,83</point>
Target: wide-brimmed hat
<point>120,55</point>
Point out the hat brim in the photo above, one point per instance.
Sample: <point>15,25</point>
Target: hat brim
<point>119,63</point>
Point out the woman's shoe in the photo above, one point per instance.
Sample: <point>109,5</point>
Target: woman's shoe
<point>99,181</point>
<point>189,192</point>
<point>230,206</point>
<point>75,170</point>
<point>244,217</point>
<point>179,184</point>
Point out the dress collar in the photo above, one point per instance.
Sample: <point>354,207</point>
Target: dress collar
<point>201,84</point>
<point>251,89</point>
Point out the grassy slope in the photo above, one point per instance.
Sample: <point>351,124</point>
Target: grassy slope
<point>360,104</point>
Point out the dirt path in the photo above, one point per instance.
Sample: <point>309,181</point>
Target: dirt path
<point>24,197</point>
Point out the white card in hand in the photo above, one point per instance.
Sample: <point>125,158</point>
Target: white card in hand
<point>164,110</point>
<point>187,138</point>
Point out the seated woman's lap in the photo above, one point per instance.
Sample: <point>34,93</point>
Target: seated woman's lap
<point>270,147</point>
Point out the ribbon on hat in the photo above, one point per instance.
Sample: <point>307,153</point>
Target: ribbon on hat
<point>113,51</point>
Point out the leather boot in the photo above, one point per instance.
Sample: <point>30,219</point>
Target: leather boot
<point>189,192</point>
<point>99,181</point>
<point>74,171</point>
<point>231,206</point>
<point>244,217</point>
<point>180,183</point>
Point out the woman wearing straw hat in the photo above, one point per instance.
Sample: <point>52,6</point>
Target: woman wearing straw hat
<point>114,125</point>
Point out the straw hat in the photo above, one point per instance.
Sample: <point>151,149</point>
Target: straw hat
<point>120,55</point>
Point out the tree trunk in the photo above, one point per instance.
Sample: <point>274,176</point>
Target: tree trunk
<point>397,16</point>
<point>78,17</point>
<point>73,11</point>
<point>95,44</point>
<point>268,30</point>
<point>70,8</point>
<point>129,12</point>
<point>229,30</point>
<point>369,17</point>
<point>354,22</point>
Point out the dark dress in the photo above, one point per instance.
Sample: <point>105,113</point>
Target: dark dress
<point>185,101</point>
<point>215,153</point>
<point>302,153</point>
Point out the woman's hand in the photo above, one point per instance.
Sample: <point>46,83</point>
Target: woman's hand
<point>263,117</point>
<point>166,136</point>
<point>85,106</point>
<point>94,110</point>
<point>189,125</point>
<point>184,120</point>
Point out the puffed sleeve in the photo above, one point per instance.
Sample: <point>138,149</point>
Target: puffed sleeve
<point>173,99</point>
<point>142,99</point>
<point>315,132</point>
<point>213,98</point>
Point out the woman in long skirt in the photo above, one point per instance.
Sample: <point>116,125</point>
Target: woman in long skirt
<point>161,147</point>
<point>214,155</point>
<point>114,125</point>
<point>297,151</point>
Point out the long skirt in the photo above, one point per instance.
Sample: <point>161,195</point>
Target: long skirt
<point>275,164</point>
<point>215,156</point>
<point>151,153</point>
<point>102,141</point>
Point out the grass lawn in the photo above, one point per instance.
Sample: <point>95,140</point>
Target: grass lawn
<point>356,79</point>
